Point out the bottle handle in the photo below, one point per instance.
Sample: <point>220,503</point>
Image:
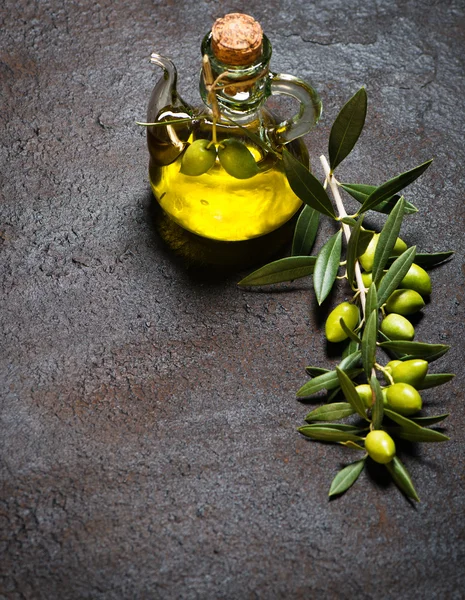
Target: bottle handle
<point>310,106</point>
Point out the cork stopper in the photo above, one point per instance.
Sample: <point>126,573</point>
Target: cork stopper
<point>237,39</point>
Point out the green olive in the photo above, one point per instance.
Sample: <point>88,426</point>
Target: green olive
<point>384,394</point>
<point>198,158</point>
<point>397,327</point>
<point>367,258</point>
<point>399,247</point>
<point>404,399</point>
<point>350,315</point>
<point>391,364</point>
<point>380,446</point>
<point>412,372</point>
<point>364,391</point>
<point>417,279</point>
<point>236,159</point>
<point>367,279</point>
<point>404,302</point>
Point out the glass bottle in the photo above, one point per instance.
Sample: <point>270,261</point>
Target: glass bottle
<point>216,218</point>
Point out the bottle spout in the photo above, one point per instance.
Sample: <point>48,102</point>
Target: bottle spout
<point>167,142</point>
<point>164,93</point>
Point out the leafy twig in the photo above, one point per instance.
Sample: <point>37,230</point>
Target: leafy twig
<point>388,262</point>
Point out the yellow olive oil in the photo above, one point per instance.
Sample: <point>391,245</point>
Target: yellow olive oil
<point>227,212</point>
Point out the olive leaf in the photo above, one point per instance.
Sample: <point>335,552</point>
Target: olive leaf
<point>305,231</point>
<point>351,393</point>
<point>353,250</point>
<point>404,422</point>
<point>431,260</point>
<point>360,192</point>
<point>326,434</point>
<point>335,391</point>
<point>390,352</point>
<point>348,221</point>
<point>377,411</point>
<point>434,379</point>
<point>392,186</point>
<point>306,186</point>
<point>401,478</point>
<point>395,274</point>
<point>346,477</point>
<point>411,431</point>
<point>369,343</point>
<point>350,334</point>
<point>347,128</point>
<point>428,261</point>
<point>278,271</point>
<point>338,426</point>
<point>371,302</point>
<point>315,371</point>
<point>429,352</point>
<point>431,357</point>
<point>327,381</point>
<point>420,435</point>
<point>326,266</point>
<point>424,421</point>
<point>387,240</point>
<point>330,380</point>
<point>351,347</point>
<point>331,412</point>
<point>363,240</point>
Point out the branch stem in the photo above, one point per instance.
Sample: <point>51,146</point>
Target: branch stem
<point>342,213</point>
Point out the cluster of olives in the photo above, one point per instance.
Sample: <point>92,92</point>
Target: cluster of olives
<point>403,377</point>
<point>234,156</point>
<point>400,395</point>
<point>406,300</point>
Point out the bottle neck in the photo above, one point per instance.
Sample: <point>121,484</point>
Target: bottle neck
<point>241,90</point>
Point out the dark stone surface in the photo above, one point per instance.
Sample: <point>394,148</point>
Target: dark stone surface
<point>148,417</point>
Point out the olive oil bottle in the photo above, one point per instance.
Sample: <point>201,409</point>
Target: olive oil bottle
<point>241,209</point>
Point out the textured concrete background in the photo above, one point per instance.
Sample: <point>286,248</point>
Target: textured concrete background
<point>148,417</point>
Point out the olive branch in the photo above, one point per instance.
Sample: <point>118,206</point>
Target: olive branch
<point>388,281</point>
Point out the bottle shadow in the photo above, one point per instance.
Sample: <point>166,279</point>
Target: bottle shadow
<point>211,261</point>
